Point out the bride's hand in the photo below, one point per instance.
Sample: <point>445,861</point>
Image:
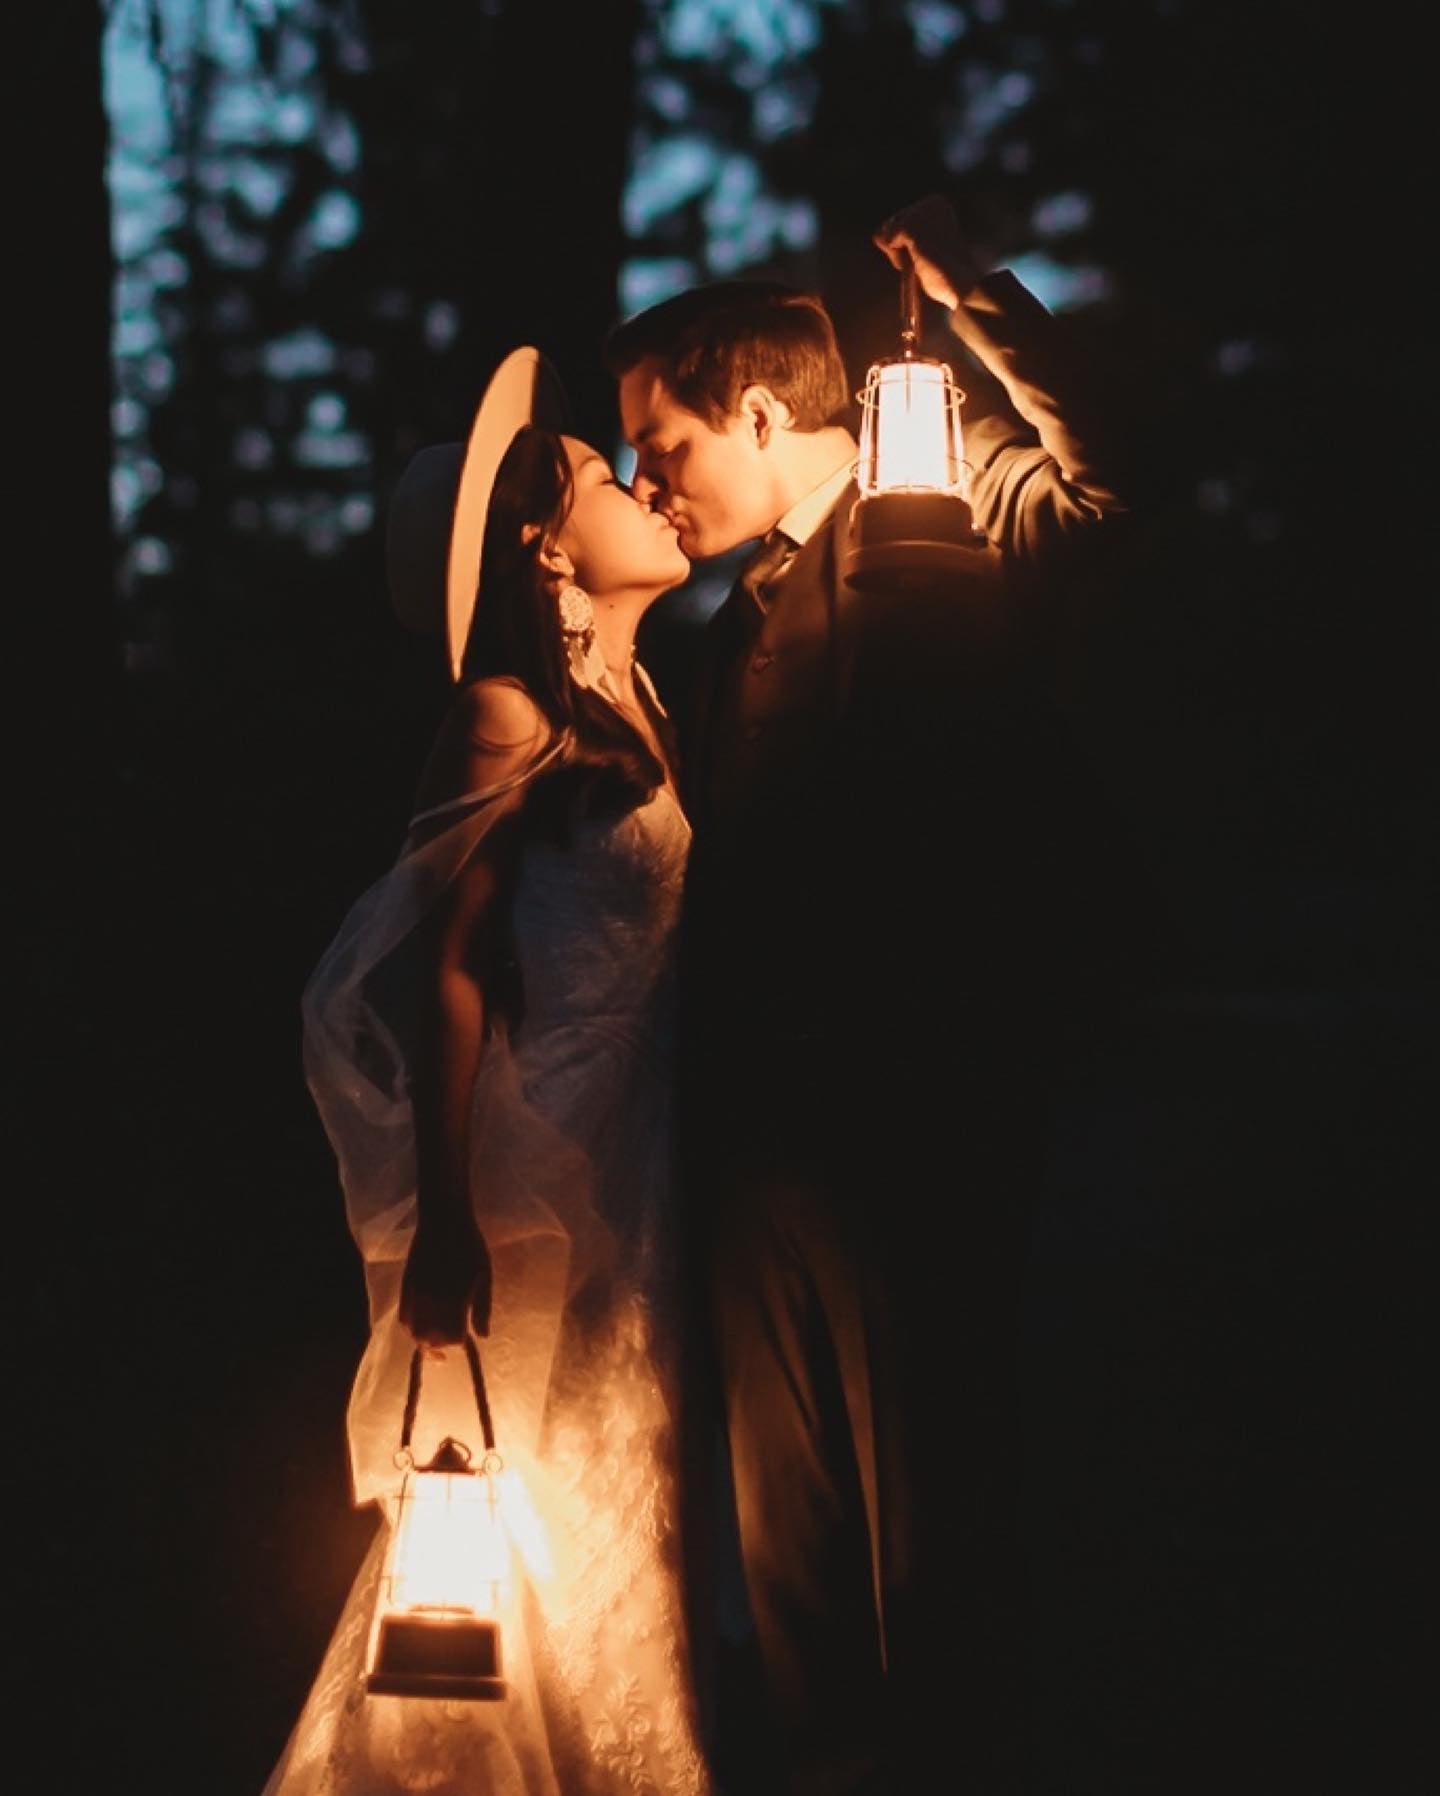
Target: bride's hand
<point>447,1278</point>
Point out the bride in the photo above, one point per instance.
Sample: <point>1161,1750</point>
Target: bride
<point>487,1041</point>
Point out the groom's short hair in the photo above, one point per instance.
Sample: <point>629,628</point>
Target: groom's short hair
<point>712,342</point>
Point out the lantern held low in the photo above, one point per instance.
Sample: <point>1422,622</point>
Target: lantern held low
<point>448,1568</point>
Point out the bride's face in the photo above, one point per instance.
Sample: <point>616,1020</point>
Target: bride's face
<point>617,544</point>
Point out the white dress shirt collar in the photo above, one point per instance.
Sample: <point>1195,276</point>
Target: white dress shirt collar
<point>806,515</point>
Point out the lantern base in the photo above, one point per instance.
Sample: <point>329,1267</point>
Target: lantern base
<point>418,1655</point>
<point>911,539</point>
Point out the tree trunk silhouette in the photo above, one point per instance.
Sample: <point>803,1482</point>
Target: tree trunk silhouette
<point>61,658</point>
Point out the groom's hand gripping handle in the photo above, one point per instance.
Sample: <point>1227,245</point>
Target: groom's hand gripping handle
<point>928,231</point>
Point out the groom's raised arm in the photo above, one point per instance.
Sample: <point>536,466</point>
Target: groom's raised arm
<point>1048,453</point>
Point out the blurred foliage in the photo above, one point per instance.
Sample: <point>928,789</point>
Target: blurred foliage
<point>355,209</point>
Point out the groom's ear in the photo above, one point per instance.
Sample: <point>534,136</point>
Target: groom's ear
<point>763,414</point>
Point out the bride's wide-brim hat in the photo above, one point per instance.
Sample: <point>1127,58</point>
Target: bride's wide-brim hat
<point>435,524</point>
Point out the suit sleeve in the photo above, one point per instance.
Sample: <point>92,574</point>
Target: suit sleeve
<point>1041,441</point>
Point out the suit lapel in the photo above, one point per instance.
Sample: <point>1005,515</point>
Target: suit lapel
<point>723,646</point>
<point>804,638</point>
<point>791,668</point>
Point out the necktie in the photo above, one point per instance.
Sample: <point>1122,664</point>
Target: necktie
<point>766,565</point>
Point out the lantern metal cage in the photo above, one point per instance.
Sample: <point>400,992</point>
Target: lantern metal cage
<point>448,1568</point>
<point>912,522</point>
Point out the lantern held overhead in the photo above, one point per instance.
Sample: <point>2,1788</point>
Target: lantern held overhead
<point>912,521</point>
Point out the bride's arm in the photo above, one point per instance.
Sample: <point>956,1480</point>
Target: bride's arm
<point>496,732</point>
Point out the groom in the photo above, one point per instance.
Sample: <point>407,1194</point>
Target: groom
<point>868,971</point>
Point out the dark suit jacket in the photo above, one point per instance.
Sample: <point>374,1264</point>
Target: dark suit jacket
<point>872,778</point>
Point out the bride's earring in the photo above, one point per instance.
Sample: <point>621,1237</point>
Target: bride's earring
<point>577,614</point>
<point>577,627</point>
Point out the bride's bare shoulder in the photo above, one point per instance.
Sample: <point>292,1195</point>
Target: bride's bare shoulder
<point>498,716</point>
<point>493,730</point>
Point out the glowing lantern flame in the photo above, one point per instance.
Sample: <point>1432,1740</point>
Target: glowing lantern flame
<point>912,522</point>
<point>910,440</point>
<point>448,1575</point>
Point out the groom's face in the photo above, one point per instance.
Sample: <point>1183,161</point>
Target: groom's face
<point>710,483</point>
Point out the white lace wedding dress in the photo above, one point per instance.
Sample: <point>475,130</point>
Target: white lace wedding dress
<point>571,1176</point>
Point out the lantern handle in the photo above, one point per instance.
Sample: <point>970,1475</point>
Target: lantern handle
<point>477,1378</point>
<point>909,304</point>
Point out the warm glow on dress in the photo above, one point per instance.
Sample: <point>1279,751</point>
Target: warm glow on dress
<point>521,1522</point>
<point>910,430</point>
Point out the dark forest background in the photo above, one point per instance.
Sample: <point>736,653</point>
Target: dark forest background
<point>1224,1306</point>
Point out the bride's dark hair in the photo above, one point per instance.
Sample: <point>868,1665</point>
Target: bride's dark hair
<point>609,767</point>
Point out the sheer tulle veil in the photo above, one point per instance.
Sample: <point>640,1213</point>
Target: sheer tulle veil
<point>594,1648</point>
